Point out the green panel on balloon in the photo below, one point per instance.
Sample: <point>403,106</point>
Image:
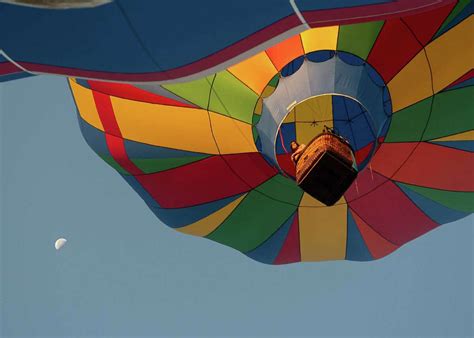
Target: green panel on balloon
<point>232,98</point>
<point>358,39</point>
<point>110,161</point>
<point>196,91</point>
<point>149,166</point>
<point>255,219</point>
<point>452,113</point>
<point>408,124</point>
<point>282,189</point>
<point>456,200</point>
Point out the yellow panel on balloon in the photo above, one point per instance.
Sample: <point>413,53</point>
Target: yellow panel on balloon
<point>255,72</point>
<point>232,136</point>
<point>311,116</point>
<point>320,38</point>
<point>452,54</point>
<point>166,126</point>
<point>208,224</point>
<point>85,104</point>
<point>323,230</point>
<point>411,84</point>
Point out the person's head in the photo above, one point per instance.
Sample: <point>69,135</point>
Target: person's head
<point>294,145</point>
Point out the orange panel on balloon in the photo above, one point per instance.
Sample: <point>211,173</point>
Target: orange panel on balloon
<point>286,51</point>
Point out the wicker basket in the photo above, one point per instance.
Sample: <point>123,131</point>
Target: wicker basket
<point>325,169</point>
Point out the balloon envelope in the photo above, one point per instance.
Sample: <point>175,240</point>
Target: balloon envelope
<point>208,155</point>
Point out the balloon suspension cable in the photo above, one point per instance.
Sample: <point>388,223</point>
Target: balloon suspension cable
<point>357,187</point>
<point>371,172</point>
<point>282,141</point>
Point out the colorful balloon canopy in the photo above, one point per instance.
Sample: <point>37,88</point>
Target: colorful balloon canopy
<point>142,40</point>
<point>199,152</point>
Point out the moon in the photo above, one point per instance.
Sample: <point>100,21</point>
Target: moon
<point>60,242</point>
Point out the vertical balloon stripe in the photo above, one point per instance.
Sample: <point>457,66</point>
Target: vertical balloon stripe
<point>113,136</point>
<point>399,221</point>
<point>290,251</point>
<point>285,51</point>
<point>117,149</point>
<point>378,246</point>
<point>358,39</point>
<point>319,39</point>
<point>323,230</point>
<point>106,113</point>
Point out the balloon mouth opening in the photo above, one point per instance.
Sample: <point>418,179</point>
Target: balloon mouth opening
<point>322,89</point>
<point>308,119</point>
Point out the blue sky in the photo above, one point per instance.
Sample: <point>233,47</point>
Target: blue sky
<point>124,273</point>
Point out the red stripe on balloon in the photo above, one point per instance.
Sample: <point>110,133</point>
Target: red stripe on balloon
<point>391,156</point>
<point>117,150</point>
<point>378,246</point>
<point>366,181</point>
<point>393,49</point>
<point>207,180</point>
<point>425,25</point>
<point>113,136</point>
<point>438,167</point>
<point>286,164</point>
<point>392,214</point>
<point>397,44</point>
<point>106,113</point>
<point>290,251</point>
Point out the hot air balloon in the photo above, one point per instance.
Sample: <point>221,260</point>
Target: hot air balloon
<point>201,130</point>
<point>208,155</point>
